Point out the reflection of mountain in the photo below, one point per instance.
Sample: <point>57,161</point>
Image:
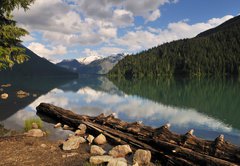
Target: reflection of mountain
<point>38,86</point>
<point>217,98</point>
<point>99,83</point>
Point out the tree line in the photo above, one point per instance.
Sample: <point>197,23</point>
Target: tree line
<point>214,53</point>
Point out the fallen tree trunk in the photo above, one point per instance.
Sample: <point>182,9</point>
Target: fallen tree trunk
<point>171,148</point>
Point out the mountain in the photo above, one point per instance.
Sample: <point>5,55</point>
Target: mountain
<point>213,52</point>
<point>36,66</point>
<point>99,66</point>
<point>89,59</point>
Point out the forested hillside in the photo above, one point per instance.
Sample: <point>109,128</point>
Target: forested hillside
<point>214,52</point>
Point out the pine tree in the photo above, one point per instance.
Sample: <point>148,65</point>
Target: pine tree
<point>11,51</point>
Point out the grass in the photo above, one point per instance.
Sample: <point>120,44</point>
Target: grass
<point>28,123</point>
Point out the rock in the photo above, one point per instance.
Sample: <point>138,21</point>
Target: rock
<point>120,151</point>
<point>43,145</point>
<point>142,157</point>
<point>73,143</point>
<point>66,127</point>
<point>96,150</point>
<point>4,96</point>
<point>34,133</point>
<point>80,132</point>
<point>82,127</point>
<point>100,139</point>
<point>22,94</point>
<point>6,85</point>
<point>100,159</point>
<point>90,139</point>
<point>34,95</point>
<point>117,162</point>
<point>34,125</point>
<point>57,125</point>
<point>69,155</point>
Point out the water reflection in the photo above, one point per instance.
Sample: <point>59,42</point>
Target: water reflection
<point>186,105</point>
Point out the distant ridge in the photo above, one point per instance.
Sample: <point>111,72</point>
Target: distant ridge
<point>37,66</point>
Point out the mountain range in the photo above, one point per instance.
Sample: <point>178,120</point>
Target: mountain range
<point>213,52</point>
<point>98,66</point>
<point>36,66</point>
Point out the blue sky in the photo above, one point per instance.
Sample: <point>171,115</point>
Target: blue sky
<point>67,29</point>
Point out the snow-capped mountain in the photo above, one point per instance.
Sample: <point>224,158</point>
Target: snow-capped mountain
<point>89,59</point>
<point>98,66</point>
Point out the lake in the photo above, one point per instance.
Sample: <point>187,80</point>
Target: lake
<point>209,106</point>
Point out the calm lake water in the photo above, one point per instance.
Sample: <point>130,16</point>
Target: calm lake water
<point>210,106</point>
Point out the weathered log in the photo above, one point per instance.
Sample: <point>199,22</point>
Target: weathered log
<point>173,148</point>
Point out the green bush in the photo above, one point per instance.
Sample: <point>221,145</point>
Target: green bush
<point>28,123</point>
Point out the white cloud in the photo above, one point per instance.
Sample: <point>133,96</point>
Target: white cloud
<point>146,8</point>
<point>107,24</point>
<point>154,16</point>
<point>45,52</point>
<point>108,32</point>
<point>143,39</point>
<point>28,38</point>
<point>123,17</point>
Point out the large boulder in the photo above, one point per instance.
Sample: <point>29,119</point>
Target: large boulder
<point>120,151</point>
<point>142,157</point>
<point>96,150</point>
<point>100,139</point>
<point>35,133</point>
<point>117,162</point>
<point>73,143</point>
<point>100,159</point>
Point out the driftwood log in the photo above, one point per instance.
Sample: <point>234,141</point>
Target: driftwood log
<point>166,146</point>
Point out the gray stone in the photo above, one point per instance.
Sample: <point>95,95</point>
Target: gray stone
<point>34,133</point>
<point>100,159</point>
<point>57,125</point>
<point>43,145</point>
<point>117,162</point>
<point>22,94</point>
<point>96,150</point>
<point>73,143</point>
<point>120,151</point>
<point>80,132</point>
<point>90,139</point>
<point>4,96</point>
<point>100,139</point>
<point>82,127</point>
<point>142,157</point>
<point>66,127</point>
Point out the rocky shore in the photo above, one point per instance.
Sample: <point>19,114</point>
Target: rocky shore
<point>34,148</point>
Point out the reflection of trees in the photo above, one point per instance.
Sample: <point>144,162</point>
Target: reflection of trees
<point>215,97</point>
<point>32,85</point>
